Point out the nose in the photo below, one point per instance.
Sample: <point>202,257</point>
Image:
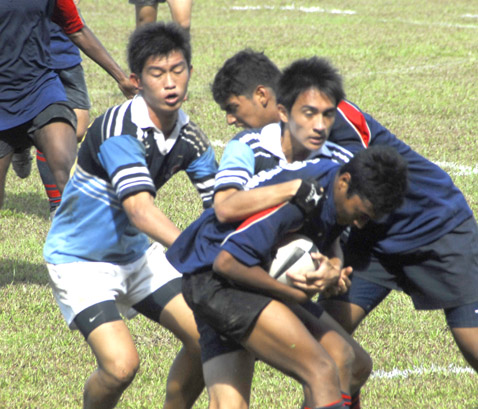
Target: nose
<point>320,124</point>
<point>169,83</point>
<point>231,119</point>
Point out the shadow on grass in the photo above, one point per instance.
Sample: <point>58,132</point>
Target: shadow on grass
<point>32,203</point>
<point>19,271</point>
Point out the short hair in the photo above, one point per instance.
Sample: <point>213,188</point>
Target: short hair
<point>379,174</point>
<point>155,40</point>
<point>308,73</point>
<point>242,73</point>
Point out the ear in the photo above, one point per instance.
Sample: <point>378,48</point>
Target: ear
<point>344,181</point>
<point>262,94</point>
<point>136,80</point>
<point>283,114</point>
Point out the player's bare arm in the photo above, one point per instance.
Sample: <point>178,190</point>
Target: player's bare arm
<point>87,42</point>
<point>148,218</point>
<point>255,277</point>
<point>233,205</point>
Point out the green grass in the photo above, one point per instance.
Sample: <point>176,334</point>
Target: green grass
<point>412,65</point>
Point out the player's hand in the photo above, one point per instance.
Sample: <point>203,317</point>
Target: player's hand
<point>327,274</point>
<point>308,196</point>
<point>128,89</point>
<point>343,284</point>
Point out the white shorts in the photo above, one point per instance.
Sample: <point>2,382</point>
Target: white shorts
<point>77,286</point>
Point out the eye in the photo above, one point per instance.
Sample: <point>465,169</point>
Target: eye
<point>179,69</point>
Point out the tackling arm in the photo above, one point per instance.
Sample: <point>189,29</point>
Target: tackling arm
<point>233,205</point>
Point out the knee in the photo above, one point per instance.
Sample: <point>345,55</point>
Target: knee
<point>361,370</point>
<point>119,374</point>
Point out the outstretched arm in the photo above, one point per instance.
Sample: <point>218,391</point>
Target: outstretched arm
<point>87,42</point>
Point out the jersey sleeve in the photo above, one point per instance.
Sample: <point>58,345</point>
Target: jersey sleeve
<point>66,15</point>
<point>123,158</point>
<point>236,167</point>
<point>201,173</point>
<point>254,241</point>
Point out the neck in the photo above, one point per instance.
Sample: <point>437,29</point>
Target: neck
<point>292,152</point>
<point>163,121</point>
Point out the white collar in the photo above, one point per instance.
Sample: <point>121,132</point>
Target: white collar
<point>270,138</point>
<point>140,117</point>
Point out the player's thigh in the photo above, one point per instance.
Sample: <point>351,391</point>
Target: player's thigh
<point>463,323</point>
<point>277,336</point>
<point>179,319</point>
<point>228,379</point>
<point>83,117</point>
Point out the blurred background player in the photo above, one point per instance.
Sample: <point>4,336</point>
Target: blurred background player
<point>34,108</point>
<point>147,11</point>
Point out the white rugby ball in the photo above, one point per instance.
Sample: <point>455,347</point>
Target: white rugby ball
<point>293,255</point>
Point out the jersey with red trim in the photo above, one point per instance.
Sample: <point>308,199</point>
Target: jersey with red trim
<point>253,241</point>
<point>433,205</point>
<point>27,82</point>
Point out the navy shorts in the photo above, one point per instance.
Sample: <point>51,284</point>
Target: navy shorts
<point>225,313</point>
<point>146,2</point>
<point>22,137</point>
<point>439,275</point>
<point>73,80</point>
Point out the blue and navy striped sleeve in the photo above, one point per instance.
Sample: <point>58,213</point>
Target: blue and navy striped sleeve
<point>124,159</point>
<point>236,167</point>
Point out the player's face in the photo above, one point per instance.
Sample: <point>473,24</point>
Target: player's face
<point>310,120</point>
<point>244,112</point>
<point>351,210</point>
<point>164,82</point>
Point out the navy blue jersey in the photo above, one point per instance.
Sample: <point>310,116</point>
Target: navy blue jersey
<point>433,205</point>
<point>253,241</point>
<point>64,54</point>
<point>27,82</point>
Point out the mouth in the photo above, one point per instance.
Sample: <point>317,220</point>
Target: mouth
<point>171,99</point>
<point>317,141</point>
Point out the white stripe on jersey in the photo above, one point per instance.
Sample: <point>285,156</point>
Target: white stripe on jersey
<point>95,188</point>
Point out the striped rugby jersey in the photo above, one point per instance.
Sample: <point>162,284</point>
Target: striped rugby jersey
<point>255,150</point>
<point>123,154</point>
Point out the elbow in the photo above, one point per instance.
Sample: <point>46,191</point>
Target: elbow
<point>223,214</point>
<point>222,263</point>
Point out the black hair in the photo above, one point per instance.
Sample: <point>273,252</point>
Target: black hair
<point>379,174</point>
<point>308,73</point>
<point>242,73</point>
<point>154,40</point>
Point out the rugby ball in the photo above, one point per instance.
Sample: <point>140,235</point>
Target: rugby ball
<point>293,255</point>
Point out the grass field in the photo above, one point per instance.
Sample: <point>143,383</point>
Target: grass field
<point>412,65</point>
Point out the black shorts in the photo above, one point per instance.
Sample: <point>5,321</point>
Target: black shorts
<point>73,80</point>
<point>22,137</point>
<point>225,313</point>
<point>439,275</point>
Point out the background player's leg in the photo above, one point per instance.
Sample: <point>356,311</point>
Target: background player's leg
<point>228,379</point>
<point>4,165</point>
<point>185,381</point>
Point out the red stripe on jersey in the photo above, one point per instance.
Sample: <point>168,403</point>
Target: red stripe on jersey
<point>355,118</point>
<point>65,14</point>
<point>258,216</point>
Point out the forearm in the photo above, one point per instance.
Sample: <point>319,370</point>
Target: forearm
<point>255,278</point>
<point>87,42</point>
<point>146,217</point>
<point>235,205</point>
